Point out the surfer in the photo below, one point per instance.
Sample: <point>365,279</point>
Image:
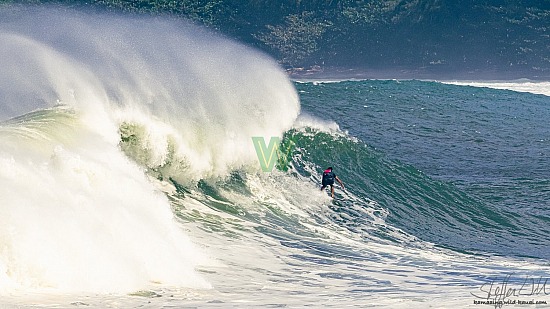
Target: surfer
<point>328,180</point>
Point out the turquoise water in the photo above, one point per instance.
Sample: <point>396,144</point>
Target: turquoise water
<point>128,177</point>
<point>453,157</point>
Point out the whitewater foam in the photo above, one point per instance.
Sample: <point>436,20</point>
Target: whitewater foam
<point>172,79</point>
<point>308,121</point>
<point>84,218</point>
<point>535,87</point>
<point>76,212</point>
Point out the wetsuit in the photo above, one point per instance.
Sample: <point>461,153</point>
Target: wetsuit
<point>328,178</point>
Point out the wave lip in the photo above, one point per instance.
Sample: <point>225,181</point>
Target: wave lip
<point>207,94</point>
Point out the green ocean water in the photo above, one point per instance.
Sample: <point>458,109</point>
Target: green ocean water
<point>128,176</point>
<point>462,166</point>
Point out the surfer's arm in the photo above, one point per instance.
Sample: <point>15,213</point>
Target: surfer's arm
<point>340,182</point>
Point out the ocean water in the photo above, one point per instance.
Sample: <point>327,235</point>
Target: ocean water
<point>129,178</point>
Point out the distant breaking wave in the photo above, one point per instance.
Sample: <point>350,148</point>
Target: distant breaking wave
<point>519,85</point>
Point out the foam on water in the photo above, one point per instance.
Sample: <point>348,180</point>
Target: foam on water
<point>76,213</point>
<point>536,87</point>
<point>79,216</point>
<point>94,106</point>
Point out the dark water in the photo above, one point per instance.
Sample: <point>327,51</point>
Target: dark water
<point>459,166</point>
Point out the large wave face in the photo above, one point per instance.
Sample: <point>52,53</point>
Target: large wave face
<point>75,212</point>
<point>478,180</point>
<point>210,95</point>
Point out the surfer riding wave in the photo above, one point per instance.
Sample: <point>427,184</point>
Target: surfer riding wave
<point>328,180</point>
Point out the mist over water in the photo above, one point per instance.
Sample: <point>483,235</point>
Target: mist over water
<point>202,86</point>
<point>76,212</point>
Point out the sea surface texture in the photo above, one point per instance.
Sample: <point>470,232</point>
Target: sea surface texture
<point>129,177</point>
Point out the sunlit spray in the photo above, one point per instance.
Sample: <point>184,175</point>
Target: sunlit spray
<point>76,209</point>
